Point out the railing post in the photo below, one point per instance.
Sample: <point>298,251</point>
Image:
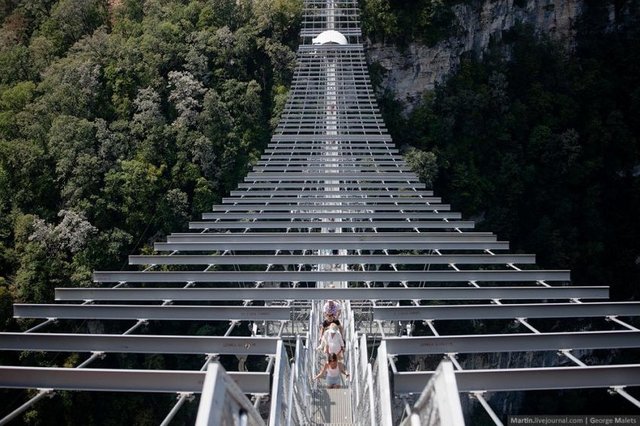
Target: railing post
<point>223,402</point>
<point>383,385</point>
<point>290,407</point>
<point>278,387</point>
<point>439,402</point>
<point>372,407</point>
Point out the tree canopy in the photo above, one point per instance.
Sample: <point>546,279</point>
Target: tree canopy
<point>119,122</point>
<point>543,147</point>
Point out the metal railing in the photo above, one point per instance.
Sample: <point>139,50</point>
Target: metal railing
<point>223,402</point>
<point>302,386</point>
<point>439,403</point>
<point>281,389</point>
<point>373,394</point>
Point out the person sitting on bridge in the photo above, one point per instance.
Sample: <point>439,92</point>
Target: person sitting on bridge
<point>332,341</point>
<point>332,368</point>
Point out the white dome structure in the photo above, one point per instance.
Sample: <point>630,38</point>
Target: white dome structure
<point>330,36</point>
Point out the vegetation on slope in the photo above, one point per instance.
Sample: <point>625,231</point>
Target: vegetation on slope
<point>544,148</point>
<point>120,121</point>
<point>118,124</point>
<point>402,22</point>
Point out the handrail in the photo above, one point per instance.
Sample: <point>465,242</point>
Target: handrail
<point>383,386</point>
<point>439,403</point>
<point>290,410</point>
<point>372,408</point>
<point>223,402</point>
<point>301,384</point>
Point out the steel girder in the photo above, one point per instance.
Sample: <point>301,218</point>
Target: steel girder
<point>160,313</point>
<point>302,213</point>
<point>296,237</point>
<point>459,259</point>
<point>439,224</point>
<point>375,293</point>
<point>337,245</point>
<point>342,201</point>
<point>338,184</point>
<point>131,343</point>
<point>523,379</point>
<point>309,206</point>
<point>311,276</point>
<point>127,380</point>
<point>510,311</point>
<point>364,193</point>
<point>485,343</point>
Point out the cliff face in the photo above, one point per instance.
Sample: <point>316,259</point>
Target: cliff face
<point>418,68</point>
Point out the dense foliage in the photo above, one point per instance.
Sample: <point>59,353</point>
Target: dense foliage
<point>119,121</point>
<point>401,21</point>
<point>122,120</point>
<point>544,147</point>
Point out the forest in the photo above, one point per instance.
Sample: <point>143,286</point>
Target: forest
<point>541,146</point>
<point>121,120</point>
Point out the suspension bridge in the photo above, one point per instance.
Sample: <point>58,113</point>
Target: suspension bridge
<point>331,211</point>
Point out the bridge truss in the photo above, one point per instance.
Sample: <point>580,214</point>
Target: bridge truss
<point>331,211</point>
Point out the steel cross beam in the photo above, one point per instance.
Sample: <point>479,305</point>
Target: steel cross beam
<point>342,168</point>
<point>66,342</point>
<point>313,143</point>
<point>436,224</point>
<point>309,276</point>
<point>331,215</point>
<point>342,200</point>
<point>332,245</point>
<point>331,162</point>
<point>320,137</point>
<point>461,259</point>
<point>306,236</point>
<point>277,177</point>
<point>346,208</point>
<point>524,379</point>
<point>510,311</point>
<point>291,148</point>
<point>486,343</point>
<point>315,151</point>
<point>318,156</point>
<point>127,380</point>
<point>371,293</point>
<point>337,184</point>
<point>250,192</point>
<point>161,313</point>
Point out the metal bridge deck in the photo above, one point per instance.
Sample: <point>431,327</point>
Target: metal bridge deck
<point>332,407</point>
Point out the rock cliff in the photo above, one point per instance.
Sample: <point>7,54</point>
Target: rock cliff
<point>416,68</point>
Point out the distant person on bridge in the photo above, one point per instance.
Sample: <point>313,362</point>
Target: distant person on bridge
<point>331,313</point>
<point>332,310</point>
<point>333,368</point>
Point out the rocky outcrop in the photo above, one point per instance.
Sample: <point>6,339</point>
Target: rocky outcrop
<point>409,72</point>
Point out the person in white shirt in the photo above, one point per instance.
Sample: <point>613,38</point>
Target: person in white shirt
<point>332,341</point>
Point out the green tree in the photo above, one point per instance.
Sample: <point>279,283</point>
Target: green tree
<point>424,164</point>
<point>131,193</point>
<point>69,20</point>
